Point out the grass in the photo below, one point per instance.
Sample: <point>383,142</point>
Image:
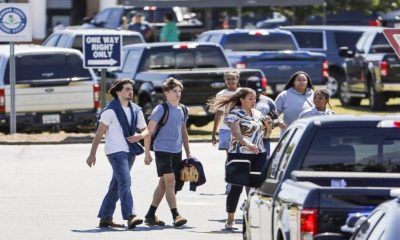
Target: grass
<point>393,107</point>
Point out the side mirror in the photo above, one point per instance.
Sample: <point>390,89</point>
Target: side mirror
<point>354,222</point>
<point>328,236</point>
<point>345,52</point>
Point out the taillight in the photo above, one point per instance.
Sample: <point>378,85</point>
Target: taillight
<point>308,224</point>
<point>2,100</point>
<point>384,67</point>
<point>388,124</point>
<point>96,95</point>
<point>264,84</point>
<point>241,65</point>
<point>325,69</point>
<point>374,23</point>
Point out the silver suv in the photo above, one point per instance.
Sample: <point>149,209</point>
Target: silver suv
<point>53,90</point>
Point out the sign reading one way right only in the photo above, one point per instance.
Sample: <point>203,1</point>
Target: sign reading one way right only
<point>102,51</point>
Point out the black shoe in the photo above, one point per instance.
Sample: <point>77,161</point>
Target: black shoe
<point>179,221</point>
<point>133,221</point>
<point>110,223</point>
<point>154,221</point>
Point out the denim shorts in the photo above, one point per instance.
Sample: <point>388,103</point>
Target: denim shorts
<point>224,139</point>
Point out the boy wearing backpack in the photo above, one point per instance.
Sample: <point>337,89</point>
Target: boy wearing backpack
<point>167,147</point>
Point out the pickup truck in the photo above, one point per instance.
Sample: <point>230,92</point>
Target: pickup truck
<point>275,52</point>
<point>371,71</point>
<point>112,18</point>
<point>200,67</point>
<point>323,170</point>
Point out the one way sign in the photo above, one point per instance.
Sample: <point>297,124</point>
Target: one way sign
<point>102,51</point>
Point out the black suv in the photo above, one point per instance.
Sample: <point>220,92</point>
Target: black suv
<point>328,40</point>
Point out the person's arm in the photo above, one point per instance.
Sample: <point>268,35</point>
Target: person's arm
<point>148,32</point>
<point>125,23</point>
<point>185,139</point>
<point>147,140</point>
<point>235,128</point>
<point>217,120</point>
<point>91,160</point>
<point>141,124</point>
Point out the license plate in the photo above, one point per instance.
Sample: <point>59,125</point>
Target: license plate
<point>51,118</point>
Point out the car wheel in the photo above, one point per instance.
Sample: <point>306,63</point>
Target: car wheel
<point>376,100</point>
<point>344,95</point>
<point>333,86</point>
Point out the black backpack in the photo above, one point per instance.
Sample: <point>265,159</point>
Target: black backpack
<point>164,119</point>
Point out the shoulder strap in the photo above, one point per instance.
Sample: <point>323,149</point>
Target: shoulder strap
<point>185,111</point>
<point>163,120</point>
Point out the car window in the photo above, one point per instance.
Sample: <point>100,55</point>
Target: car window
<point>115,18</point>
<point>102,16</point>
<point>131,61</point>
<point>172,58</point>
<point>347,39</point>
<point>368,226</point>
<point>215,38</point>
<point>254,42</point>
<point>42,67</point>
<point>354,149</point>
<point>381,45</point>
<point>203,38</point>
<point>52,40</point>
<point>309,39</point>
<point>277,155</point>
<point>63,41</point>
<point>361,42</point>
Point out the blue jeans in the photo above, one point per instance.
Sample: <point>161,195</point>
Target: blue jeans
<point>120,187</point>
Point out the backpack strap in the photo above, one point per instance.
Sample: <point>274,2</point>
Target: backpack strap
<point>163,120</point>
<point>185,111</point>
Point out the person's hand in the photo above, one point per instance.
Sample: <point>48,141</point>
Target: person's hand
<point>252,148</point>
<point>147,158</point>
<point>282,125</point>
<point>136,137</point>
<point>188,155</point>
<point>91,160</point>
<point>124,19</point>
<point>213,139</point>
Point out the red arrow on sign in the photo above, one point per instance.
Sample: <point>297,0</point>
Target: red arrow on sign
<point>393,36</point>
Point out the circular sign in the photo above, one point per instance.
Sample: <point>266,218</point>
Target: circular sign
<point>12,20</point>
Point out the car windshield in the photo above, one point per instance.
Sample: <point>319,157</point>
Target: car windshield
<point>48,66</point>
<point>254,42</point>
<point>184,58</point>
<point>355,150</point>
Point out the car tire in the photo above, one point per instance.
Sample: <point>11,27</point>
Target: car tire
<point>344,96</point>
<point>376,100</point>
<point>333,85</point>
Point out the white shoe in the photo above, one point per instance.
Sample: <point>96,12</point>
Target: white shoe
<point>230,226</point>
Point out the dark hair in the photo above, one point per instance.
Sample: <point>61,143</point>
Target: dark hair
<point>168,16</point>
<point>118,85</point>
<point>324,93</point>
<point>231,101</point>
<point>254,82</point>
<point>170,84</point>
<point>290,82</point>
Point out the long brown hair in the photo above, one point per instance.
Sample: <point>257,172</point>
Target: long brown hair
<point>230,101</point>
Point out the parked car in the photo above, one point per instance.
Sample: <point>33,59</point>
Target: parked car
<point>371,71</point>
<point>200,67</point>
<point>72,37</point>
<point>111,18</point>
<point>391,19</point>
<point>381,224</point>
<point>346,18</point>
<point>53,90</point>
<point>323,170</point>
<point>328,40</point>
<point>275,52</point>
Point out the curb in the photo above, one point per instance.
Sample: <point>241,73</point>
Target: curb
<point>83,140</point>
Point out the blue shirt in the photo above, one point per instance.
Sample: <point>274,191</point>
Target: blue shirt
<point>169,138</point>
<point>142,28</point>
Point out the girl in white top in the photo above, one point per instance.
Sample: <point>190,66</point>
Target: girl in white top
<point>321,99</point>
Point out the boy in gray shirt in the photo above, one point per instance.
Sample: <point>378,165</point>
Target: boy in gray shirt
<point>167,150</point>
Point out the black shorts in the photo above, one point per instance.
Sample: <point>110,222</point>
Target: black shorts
<point>167,162</point>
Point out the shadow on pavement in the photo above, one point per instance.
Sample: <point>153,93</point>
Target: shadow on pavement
<point>138,228</point>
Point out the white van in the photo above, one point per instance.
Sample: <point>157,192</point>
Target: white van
<point>53,90</point>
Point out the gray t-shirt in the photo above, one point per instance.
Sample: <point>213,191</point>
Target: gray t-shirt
<point>169,138</point>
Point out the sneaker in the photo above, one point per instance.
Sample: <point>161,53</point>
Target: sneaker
<point>133,221</point>
<point>154,221</point>
<point>109,223</point>
<point>179,221</point>
<point>230,226</point>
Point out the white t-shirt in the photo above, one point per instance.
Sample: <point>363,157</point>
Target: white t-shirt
<point>115,140</point>
<point>224,93</point>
